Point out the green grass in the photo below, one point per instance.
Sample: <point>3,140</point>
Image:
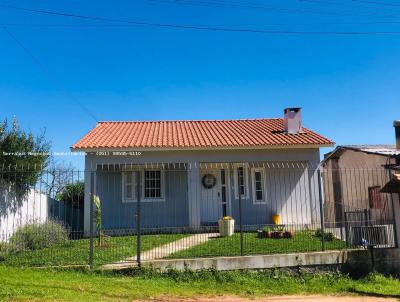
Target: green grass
<point>303,241</point>
<point>49,285</point>
<point>76,252</point>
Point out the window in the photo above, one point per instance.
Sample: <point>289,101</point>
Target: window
<point>129,186</point>
<point>241,181</point>
<point>258,186</point>
<point>375,198</point>
<point>153,185</point>
<point>223,193</point>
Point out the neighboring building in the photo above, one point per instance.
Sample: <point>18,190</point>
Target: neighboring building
<point>192,172</point>
<point>14,212</point>
<point>353,177</point>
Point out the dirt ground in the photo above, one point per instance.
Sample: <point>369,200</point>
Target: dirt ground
<point>281,299</point>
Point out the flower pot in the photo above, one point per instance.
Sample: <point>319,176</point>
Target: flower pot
<point>276,235</point>
<point>226,227</point>
<point>267,234</point>
<point>287,234</point>
<point>276,219</point>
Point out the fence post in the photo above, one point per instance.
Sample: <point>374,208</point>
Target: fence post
<point>91,218</point>
<point>138,230</point>
<point>240,212</point>
<point>321,210</point>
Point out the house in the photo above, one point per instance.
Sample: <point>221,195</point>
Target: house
<point>188,174</point>
<point>353,176</point>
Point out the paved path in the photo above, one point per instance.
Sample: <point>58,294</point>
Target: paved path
<point>165,250</point>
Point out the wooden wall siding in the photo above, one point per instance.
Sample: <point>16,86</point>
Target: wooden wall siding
<point>346,183</point>
<point>173,212</point>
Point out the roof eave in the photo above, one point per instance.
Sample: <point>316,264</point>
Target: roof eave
<point>266,147</point>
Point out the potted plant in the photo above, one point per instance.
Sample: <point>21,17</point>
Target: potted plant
<point>267,232</point>
<point>276,219</point>
<point>226,226</point>
<point>287,234</point>
<point>277,234</point>
<point>278,231</point>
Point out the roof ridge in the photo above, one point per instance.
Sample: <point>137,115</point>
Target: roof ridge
<point>208,120</point>
<point>370,145</point>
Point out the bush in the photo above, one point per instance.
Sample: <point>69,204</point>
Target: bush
<point>328,236</point>
<point>38,236</point>
<point>5,249</point>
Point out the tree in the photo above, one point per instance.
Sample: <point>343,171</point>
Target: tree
<point>23,156</point>
<point>73,194</point>
<point>58,176</point>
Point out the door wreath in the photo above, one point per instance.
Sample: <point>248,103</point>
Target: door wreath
<point>209,181</point>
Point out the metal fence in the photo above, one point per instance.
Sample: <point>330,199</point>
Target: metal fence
<point>129,213</point>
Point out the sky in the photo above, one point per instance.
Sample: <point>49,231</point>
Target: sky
<point>57,73</point>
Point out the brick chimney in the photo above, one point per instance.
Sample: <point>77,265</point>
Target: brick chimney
<point>292,118</point>
<point>396,125</point>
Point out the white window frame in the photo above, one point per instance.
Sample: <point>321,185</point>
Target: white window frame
<point>263,185</point>
<point>134,189</point>
<point>160,199</point>
<point>246,180</point>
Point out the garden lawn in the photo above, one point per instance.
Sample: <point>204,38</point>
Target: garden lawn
<point>303,241</point>
<point>76,252</point>
<point>23,284</point>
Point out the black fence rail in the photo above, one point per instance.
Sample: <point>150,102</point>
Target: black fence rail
<point>125,213</point>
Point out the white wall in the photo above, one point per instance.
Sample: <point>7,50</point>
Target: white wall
<point>34,207</point>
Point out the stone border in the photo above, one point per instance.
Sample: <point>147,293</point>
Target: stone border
<point>251,262</point>
<point>386,260</point>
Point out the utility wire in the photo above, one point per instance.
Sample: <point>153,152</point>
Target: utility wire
<point>378,3</point>
<point>248,5</point>
<point>203,28</point>
<point>96,25</point>
<point>42,68</point>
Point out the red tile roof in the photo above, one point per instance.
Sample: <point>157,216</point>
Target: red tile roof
<point>197,135</point>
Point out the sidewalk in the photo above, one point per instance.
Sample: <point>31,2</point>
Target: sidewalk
<point>163,251</point>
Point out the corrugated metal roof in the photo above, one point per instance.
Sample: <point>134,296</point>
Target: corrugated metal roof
<point>196,134</point>
<point>377,149</point>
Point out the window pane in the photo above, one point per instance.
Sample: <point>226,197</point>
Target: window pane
<point>241,181</point>
<point>258,186</point>
<point>128,191</point>
<point>128,178</point>
<point>152,184</point>
<point>129,185</point>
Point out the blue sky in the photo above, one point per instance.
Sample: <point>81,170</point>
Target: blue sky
<point>348,85</point>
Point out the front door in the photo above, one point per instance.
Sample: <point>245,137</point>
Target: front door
<point>213,195</point>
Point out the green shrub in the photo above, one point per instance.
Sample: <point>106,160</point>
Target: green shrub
<point>5,249</point>
<point>328,236</point>
<point>267,229</point>
<point>38,236</point>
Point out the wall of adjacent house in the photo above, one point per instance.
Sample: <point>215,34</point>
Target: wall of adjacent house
<point>188,202</point>
<point>16,212</point>
<point>346,180</point>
